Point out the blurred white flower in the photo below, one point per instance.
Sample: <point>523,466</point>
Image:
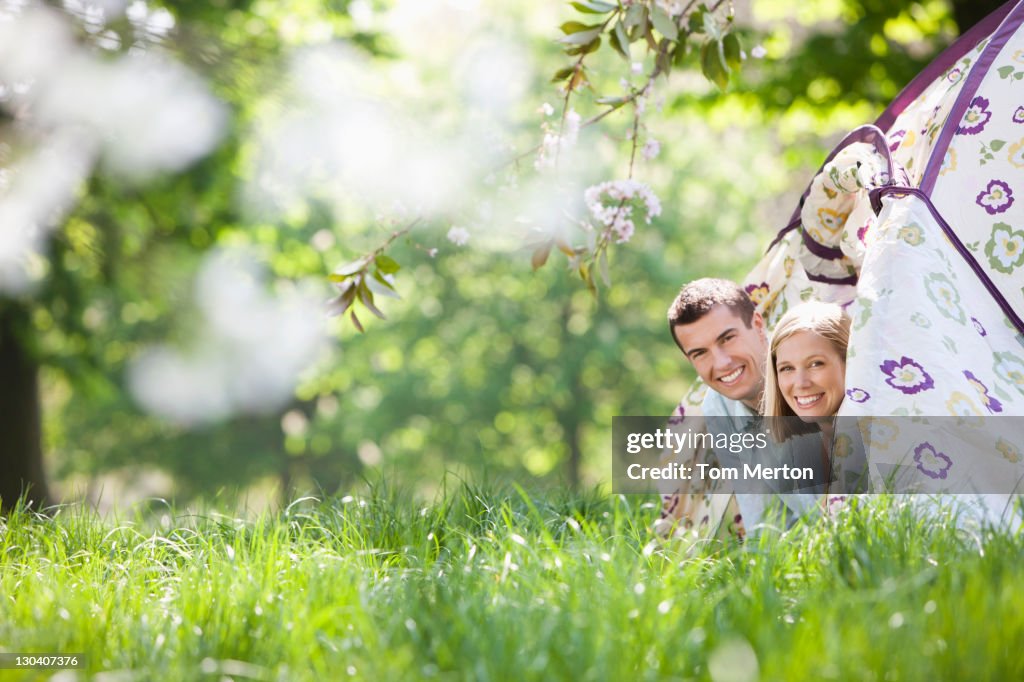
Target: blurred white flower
<point>572,127</point>
<point>250,352</point>
<point>672,7</point>
<point>458,236</point>
<point>651,148</point>
<point>546,109</point>
<point>758,52</point>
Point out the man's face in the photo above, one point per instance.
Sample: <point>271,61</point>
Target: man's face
<point>728,355</point>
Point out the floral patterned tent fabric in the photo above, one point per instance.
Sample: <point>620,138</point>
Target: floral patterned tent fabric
<point>916,224</point>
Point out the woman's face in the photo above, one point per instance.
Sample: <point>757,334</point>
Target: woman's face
<point>811,375</point>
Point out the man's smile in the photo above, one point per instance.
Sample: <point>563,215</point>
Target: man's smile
<point>733,376</point>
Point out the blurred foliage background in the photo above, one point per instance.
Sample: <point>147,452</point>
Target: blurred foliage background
<point>484,367</point>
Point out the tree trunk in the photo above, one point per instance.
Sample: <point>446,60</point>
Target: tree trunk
<point>21,454</point>
<point>966,13</point>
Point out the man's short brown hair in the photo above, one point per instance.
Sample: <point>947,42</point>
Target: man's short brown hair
<point>698,297</point>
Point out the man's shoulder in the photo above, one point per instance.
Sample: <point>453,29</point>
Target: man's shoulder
<point>717,405</point>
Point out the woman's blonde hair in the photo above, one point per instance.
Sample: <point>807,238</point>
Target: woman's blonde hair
<point>827,320</point>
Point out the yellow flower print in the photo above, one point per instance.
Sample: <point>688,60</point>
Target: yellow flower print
<point>1009,451</point>
<point>1018,56</point>
<point>948,162</point>
<point>878,432</point>
<point>787,266</point>
<point>911,234</point>
<point>831,220</point>
<point>959,405</point>
<point>1016,153</point>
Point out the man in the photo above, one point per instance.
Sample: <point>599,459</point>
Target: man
<point>715,325</point>
<point>718,330</point>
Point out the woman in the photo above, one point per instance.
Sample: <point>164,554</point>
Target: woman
<point>805,377</point>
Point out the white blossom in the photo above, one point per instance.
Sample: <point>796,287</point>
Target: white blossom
<point>546,109</point>
<point>758,52</point>
<point>572,127</point>
<point>651,148</point>
<point>623,197</point>
<point>672,7</point>
<point>458,236</point>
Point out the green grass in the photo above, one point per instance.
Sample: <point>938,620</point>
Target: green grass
<point>492,584</point>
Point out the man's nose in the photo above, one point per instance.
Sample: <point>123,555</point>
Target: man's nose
<point>720,358</point>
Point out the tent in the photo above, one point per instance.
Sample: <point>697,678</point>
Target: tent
<point>916,225</point>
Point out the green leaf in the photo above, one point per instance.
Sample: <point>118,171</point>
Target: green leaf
<point>679,53</point>
<point>634,15</point>
<point>732,49</point>
<point>353,267</point>
<point>712,65</point>
<point>580,38</point>
<point>620,41</point>
<point>602,264</point>
<point>387,264</point>
<point>356,322</point>
<point>711,26</point>
<point>696,22</point>
<point>562,74</point>
<point>571,27</point>
<point>366,296</point>
<point>1004,71</point>
<point>379,285</point>
<point>339,305</point>
<point>996,145</point>
<point>585,49</point>
<point>593,6</point>
<point>540,256</point>
<point>664,23</point>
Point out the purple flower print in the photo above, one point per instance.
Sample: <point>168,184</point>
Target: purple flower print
<point>996,198</point>
<point>975,118</point>
<point>1018,115</point>
<point>991,404</point>
<point>858,395</point>
<point>896,139</point>
<point>862,232</point>
<point>907,376</point>
<point>977,325</point>
<point>931,462</point>
<point>757,292</point>
<point>677,416</point>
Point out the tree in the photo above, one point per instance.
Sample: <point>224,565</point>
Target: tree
<point>110,287</point>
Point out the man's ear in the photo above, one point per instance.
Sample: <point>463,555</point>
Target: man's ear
<point>757,321</point>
